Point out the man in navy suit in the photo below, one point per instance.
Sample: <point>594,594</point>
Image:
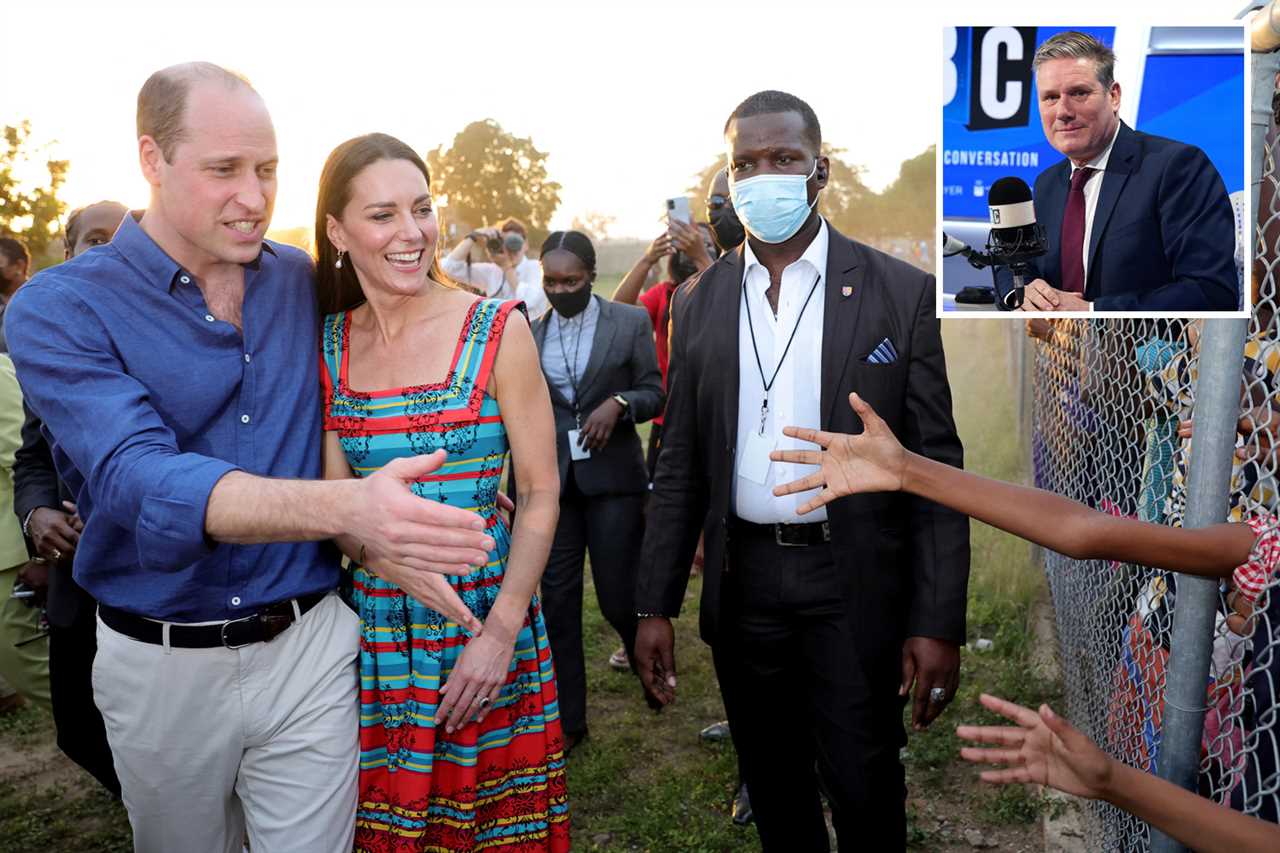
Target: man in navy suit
<point>1133,222</point>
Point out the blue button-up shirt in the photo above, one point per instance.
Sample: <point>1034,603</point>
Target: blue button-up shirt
<point>148,400</point>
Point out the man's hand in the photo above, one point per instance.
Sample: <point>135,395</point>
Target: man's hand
<point>688,239</point>
<point>1040,296</point>
<point>403,534</point>
<point>54,532</point>
<point>1043,748</point>
<point>35,574</point>
<point>599,425</point>
<point>871,461</point>
<point>656,659</point>
<point>929,664</point>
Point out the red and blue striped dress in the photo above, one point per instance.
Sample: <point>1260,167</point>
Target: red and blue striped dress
<point>497,785</point>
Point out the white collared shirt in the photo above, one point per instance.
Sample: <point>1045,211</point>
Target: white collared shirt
<point>490,277</point>
<point>796,395</point>
<point>1093,189</point>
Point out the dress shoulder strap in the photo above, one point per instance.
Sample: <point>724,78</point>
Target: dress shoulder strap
<point>481,337</point>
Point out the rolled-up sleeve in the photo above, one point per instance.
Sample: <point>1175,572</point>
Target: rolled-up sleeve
<point>102,419</point>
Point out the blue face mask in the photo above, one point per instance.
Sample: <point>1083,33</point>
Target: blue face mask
<point>773,207</point>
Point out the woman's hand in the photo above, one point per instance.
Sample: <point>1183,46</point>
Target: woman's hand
<point>872,461</point>
<point>481,671</point>
<point>1043,748</point>
<point>658,249</point>
<point>598,427</point>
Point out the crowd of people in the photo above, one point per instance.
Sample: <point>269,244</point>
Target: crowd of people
<point>258,497</point>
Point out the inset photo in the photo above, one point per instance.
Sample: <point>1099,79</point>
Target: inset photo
<point>1094,169</point>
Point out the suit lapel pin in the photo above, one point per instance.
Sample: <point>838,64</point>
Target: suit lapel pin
<point>847,290</point>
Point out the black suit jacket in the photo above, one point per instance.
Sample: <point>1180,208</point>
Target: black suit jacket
<point>1163,236</point>
<point>623,361</point>
<point>905,560</point>
<point>36,484</point>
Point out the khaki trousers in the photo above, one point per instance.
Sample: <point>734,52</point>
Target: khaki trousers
<point>211,744</point>
<point>24,668</point>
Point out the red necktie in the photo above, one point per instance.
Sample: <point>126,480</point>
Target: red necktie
<point>1073,233</point>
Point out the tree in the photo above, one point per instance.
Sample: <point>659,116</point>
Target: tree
<point>910,202</point>
<point>33,216</point>
<point>489,174</point>
<point>595,224</point>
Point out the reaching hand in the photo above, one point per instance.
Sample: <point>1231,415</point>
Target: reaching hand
<point>1043,748</point>
<point>871,461</point>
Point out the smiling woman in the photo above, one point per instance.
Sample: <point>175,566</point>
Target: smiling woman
<point>461,746</point>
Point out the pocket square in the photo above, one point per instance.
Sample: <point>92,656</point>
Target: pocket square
<point>884,353</point>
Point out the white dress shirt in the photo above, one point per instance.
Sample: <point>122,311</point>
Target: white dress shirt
<point>796,395</point>
<point>1093,189</point>
<point>489,277</point>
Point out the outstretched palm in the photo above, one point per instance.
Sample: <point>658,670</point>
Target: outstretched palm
<point>871,461</point>
<point>1043,748</point>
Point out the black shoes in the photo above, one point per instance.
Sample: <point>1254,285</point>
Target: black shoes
<point>742,814</point>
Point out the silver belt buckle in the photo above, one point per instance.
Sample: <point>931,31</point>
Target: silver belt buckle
<point>223,632</point>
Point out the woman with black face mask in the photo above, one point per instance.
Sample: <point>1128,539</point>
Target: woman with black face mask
<point>602,371</point>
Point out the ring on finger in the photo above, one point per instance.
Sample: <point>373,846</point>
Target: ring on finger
<point>483,701</point>
<point>938,694</point>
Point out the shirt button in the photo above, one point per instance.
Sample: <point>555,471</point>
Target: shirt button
<point>247,358</point>
<point>235,601</point>
<point>244,419</point>
<point>209,317</point>
<point>185,279</point>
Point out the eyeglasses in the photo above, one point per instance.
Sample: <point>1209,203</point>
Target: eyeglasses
<point>715,202</point>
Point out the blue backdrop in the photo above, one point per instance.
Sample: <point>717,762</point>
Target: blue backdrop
<point>991,126</point>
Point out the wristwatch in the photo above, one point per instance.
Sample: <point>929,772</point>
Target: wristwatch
<point>622,401</point>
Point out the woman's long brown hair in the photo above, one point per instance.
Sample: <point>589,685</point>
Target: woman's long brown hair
<point>338,289</point>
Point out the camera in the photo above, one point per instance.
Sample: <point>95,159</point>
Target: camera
<point>493,244</point>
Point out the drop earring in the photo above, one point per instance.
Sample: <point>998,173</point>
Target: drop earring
<point>337,265</point>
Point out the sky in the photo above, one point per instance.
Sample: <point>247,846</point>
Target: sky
<point>629,99</point>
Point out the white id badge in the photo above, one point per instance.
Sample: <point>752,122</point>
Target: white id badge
<point>576,451</point>
<point>755,458</point>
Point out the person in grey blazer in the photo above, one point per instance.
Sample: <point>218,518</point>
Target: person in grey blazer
<point>602,370</point>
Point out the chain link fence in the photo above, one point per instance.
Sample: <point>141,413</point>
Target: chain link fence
<point>1113,415</point>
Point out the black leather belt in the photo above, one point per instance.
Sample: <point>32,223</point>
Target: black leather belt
<point>787,535</point>
<point>263,626</point>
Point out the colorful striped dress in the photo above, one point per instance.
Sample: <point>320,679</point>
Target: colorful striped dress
<point>498,785</point>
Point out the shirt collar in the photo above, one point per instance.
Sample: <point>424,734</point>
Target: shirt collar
<point>1099,163</point>
<point>157,267</point>
<point>815,254</point>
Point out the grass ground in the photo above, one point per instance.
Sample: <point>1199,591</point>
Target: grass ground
<point>643,781</point>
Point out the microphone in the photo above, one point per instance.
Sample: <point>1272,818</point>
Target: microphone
<point>952,246</point>
<point>1015,236</point>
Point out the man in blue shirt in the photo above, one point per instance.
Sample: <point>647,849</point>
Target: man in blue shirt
<point>176,373</point>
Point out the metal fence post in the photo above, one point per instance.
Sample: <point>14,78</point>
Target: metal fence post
<point>1217,409</point>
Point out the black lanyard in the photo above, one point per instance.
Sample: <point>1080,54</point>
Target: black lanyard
<point>768,386</point>
<point>572,371</point>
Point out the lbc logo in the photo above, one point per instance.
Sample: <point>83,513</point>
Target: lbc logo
<point>1000,91</point>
